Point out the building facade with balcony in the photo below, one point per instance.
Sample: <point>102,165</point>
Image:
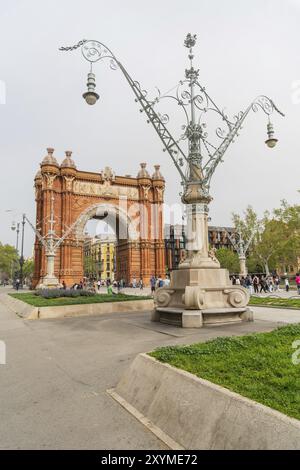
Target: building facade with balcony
<point>100,257</point>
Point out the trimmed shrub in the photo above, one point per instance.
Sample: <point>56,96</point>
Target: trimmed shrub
<point>58,293</point>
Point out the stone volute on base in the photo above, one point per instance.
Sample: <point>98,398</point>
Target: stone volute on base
<point>201,296</point>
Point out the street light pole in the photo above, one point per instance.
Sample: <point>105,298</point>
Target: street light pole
<point>22,250</point>
<point>15,226</point>
<point>17,241</point>
<point>51,242</point>
<point>241,246</point>
<point>199,282</point>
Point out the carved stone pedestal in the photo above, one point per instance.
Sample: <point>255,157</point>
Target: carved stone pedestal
<point>198,297</point>
<point>49,283</point>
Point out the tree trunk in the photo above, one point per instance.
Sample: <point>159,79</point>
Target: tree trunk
<point>267,268</point>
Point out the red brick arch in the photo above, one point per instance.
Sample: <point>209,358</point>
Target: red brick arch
<point>133,206</point>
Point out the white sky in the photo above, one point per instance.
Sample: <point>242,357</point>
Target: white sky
<point>245,48</point>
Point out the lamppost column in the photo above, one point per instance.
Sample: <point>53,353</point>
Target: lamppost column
<point>22,251</point>
<point>17,241</point>
<point>243,267</point>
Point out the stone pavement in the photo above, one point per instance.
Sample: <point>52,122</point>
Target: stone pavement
<point>53,387</point>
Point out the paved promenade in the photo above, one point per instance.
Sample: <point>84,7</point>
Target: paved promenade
<point>53,387</point>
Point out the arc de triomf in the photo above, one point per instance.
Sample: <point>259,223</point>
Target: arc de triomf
<point>66,199</point>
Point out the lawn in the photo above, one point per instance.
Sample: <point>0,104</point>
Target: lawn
<point>32,299</point>
<point>275,302</point>
<point>257,366</point>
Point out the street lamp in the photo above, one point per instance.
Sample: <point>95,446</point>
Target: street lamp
<point>241,247</point>
<point>91,97</point>
<point>272,141</point>
<point>16,227</point>
<point>196,155</point>
<point>51,243</point>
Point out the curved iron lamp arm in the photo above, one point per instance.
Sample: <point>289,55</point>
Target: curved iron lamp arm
<point>99,51</point>
<point>194,97</point>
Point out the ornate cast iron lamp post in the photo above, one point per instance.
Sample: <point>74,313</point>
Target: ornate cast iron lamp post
<point>241,246</point>
<point>16,227</point>
<point>199,291</point>
<point>51,242</point>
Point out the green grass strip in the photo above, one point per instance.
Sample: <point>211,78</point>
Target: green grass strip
<point>257,366</point>
<point>276,302</point>
<point>37,301</point>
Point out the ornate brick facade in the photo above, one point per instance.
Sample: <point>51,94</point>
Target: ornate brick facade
<point>133,206</point>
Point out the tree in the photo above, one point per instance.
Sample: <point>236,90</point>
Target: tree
<point>277,236</point>
<point>247,224</point>
<point>268,244</point>
<point>228,260</point>
<point>8,260</point>
<point>28,268</point>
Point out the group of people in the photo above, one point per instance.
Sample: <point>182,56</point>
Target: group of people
<point>158,282</point>
<point>258,284</point>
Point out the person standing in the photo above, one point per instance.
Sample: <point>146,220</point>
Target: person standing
<point>141,284</point>
<point>17,284</point>
<point>298,282</point>
<point>248,282</point>
<point>99,285</point>
<point>287,284</point>
<point>152,284</point>
<point>255,284</point>
<point>160,282</point>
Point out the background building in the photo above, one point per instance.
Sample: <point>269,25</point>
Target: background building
<point>175,242</point>
<point>100,257</point>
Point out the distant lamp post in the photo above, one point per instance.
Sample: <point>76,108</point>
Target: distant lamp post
<point>241,247</point>
<point>199,284</point>
<point>51,242</point>
<point>16,227</point>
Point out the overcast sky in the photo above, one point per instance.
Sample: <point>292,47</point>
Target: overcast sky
<point>245,48</point>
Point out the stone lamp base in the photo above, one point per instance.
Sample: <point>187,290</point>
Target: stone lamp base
<point>49,283</point>
<point>197,297</point>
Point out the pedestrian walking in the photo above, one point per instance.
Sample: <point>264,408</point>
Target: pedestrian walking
<point>277,284</point>
<point>263,285</point>
<point>98,285</point>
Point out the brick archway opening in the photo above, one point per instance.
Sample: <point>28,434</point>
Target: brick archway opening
<point>126,235</point>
